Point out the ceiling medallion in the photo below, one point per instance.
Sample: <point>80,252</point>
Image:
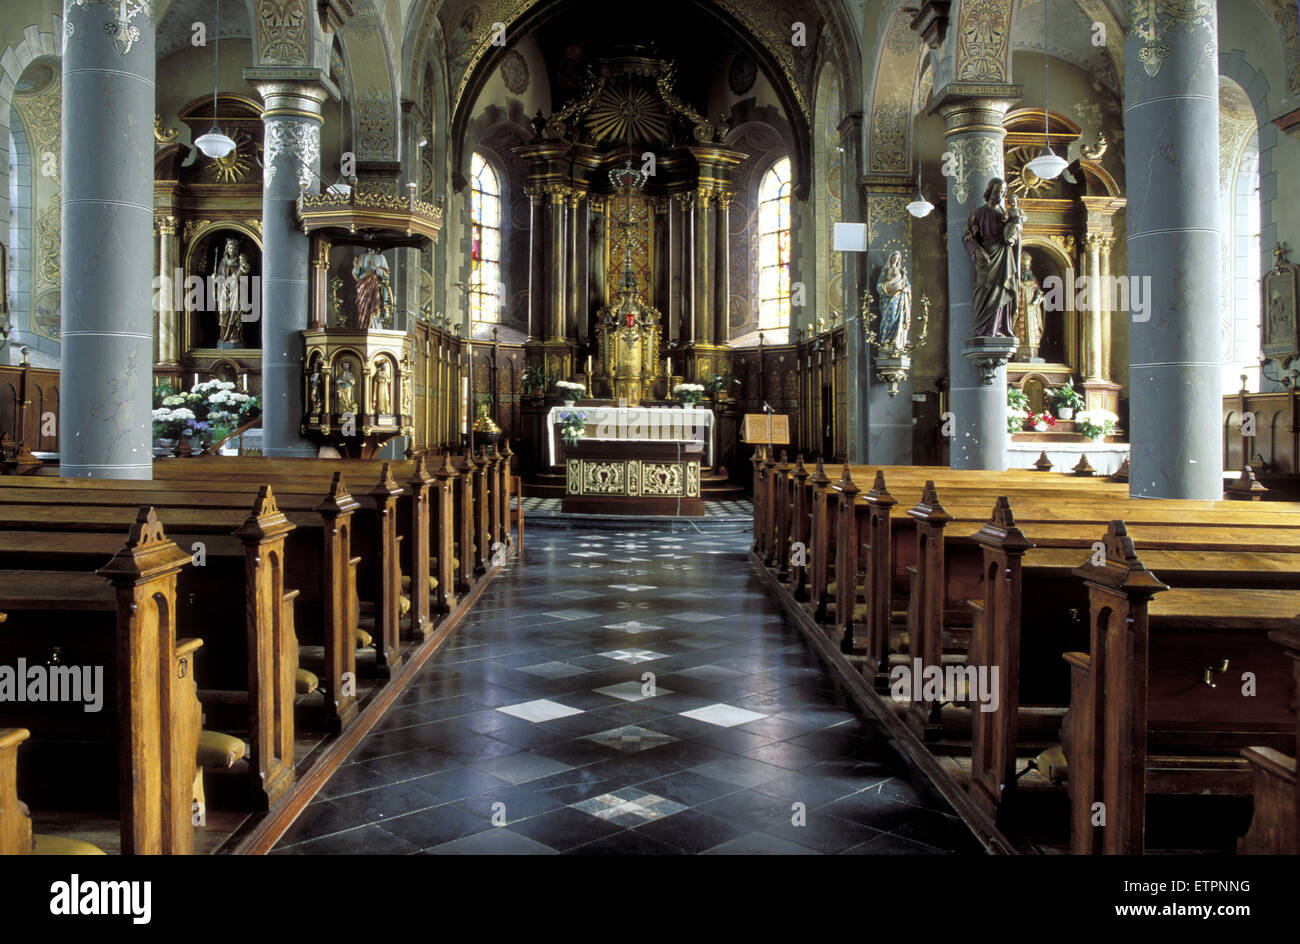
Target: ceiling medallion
<point>235,166</point>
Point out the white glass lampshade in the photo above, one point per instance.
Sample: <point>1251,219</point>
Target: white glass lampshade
<point>214,144</point>
<point>1048,165</point>
<point>920,206</point>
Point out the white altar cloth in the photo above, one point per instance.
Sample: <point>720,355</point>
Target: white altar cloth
<point>647,424</point>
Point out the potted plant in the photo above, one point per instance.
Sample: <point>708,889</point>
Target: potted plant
<point>534,381</point>
<point>689,394</point>
<point>716,386</point>
<point>574,426</point>
<point>1066,400</point>
<point>1096,424</point>
<point>569,391</point>
<point>1017,409</point>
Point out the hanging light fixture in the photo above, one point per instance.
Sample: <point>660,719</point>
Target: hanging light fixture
<point>215,144</point>
<point>1049,164</point>
<point>920,206</point>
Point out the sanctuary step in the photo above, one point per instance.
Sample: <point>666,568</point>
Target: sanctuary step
<point>713,486</point>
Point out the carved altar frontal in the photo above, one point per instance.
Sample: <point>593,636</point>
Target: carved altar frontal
<point>619,477</point>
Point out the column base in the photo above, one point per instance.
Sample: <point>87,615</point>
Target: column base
<point>1101,395</point>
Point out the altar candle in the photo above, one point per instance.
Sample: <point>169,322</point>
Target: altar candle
<point>670,368</point>
<point>588,364</point>
<point>245,380</point>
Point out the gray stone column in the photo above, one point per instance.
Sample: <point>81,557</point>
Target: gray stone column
<point>169,346</point>
<point>106,373</point>
<point>1171,150</point>
<point>889,439</point>
<point>292,120</point>
<point>973,133</point>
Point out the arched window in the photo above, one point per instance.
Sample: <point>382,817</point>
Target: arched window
<point>774,253</point>
<point>485,276</point>
<point>1239,217</point>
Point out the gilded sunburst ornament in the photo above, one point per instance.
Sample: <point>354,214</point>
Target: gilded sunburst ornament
<point>1022,181</point>
<point>235,166</point>
<point>622,113</point>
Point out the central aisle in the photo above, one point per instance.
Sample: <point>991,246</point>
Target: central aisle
<point>534,731</point>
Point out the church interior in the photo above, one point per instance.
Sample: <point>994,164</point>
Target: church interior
<point>923,372</point>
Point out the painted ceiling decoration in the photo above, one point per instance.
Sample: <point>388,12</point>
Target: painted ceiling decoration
<point>892,97</point>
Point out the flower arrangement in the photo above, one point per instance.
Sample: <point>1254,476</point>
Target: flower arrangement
<point>1041,421</point>
<point>1066,399</point>
<point>1096,424</point>
<point>570,390</point>
<point>689,393</point>
<point>574,426</point>
<point>211,409</point>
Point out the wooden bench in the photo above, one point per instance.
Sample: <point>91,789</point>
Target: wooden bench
<point>1146,712</point>
<point>124,619</point>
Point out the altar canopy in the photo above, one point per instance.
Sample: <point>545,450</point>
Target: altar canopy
<point>645,424</point>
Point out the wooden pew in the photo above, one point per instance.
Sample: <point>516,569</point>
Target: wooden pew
<point>317,555</point>
<point>129,622</point>
<point>15,821</point>
<point>1275,826</point>
<point>1138,720</point>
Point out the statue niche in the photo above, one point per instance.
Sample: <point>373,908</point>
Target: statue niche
<point>229,264</point>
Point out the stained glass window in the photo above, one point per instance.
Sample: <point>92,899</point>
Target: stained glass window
<point>774,253</point>
<point>485,244</point>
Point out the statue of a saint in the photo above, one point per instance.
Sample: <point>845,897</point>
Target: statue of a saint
<point>381,389</point>
<point>228,270</point>
<point>406,386</point>
<point>1029,307</point>
<point>992,240</point>
<point>316,388</point>
<point>374,290</point>
<point>895,290</point>
<point>345,387</point>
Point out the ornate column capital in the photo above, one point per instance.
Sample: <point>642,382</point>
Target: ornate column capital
<point>972,106</point>
<point>164,225</point>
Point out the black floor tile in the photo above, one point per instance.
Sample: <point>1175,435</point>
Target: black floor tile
<point>446,772</point>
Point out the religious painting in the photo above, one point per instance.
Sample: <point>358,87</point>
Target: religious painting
<point>1278,325</point>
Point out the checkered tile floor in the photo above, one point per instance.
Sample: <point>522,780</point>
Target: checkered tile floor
<point>630,693</point>
<point>725,508</point>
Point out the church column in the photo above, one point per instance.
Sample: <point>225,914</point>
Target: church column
<point>703,267</point>
<point>555,269</point>
<point>1092,317</point>
<point>974,134</point>
<point>1107,243</point>
<point>106,371</point>
<point>1171,150</point>
<point>889,438</point>
<point>577,240</point>
<point>537,233</point>
<point>722,267</point>
<point>292,120</point>
<point>169,345</point>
